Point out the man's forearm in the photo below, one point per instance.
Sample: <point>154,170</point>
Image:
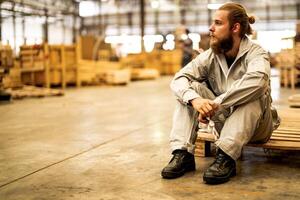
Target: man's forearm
<point>182,89</point>
<point>251,87</point>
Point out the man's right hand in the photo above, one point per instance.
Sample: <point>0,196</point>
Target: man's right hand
<point>205,107</point>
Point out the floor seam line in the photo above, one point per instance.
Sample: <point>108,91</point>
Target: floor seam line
<point>80,153</point>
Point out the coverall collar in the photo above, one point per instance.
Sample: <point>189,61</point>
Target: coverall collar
<point>244,48</point>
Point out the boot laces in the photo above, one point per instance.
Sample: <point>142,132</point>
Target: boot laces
<point>219,159</point>
<point>177,157</point>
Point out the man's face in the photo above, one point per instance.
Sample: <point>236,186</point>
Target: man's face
<point>221,39</point>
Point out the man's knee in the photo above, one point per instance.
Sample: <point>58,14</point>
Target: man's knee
<point>253,108</point>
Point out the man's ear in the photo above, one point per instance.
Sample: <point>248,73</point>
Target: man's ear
<point>236,27</point>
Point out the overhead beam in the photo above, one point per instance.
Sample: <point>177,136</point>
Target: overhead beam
<point>38,6</point>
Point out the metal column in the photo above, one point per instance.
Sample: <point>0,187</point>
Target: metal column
<point>0,21</point>
<point>142,22</point>
<point>45,27</point>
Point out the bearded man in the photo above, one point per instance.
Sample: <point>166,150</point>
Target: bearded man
<point>228,84</point>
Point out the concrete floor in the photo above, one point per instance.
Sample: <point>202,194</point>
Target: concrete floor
<point>109,143</point>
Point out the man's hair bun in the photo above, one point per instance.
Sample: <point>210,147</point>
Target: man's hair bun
<point>251,20</point>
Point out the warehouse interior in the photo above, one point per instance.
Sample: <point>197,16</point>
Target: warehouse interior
<point>86,106</point>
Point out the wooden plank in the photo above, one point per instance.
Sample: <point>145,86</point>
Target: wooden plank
<point>287,132</point>
<point>286,135</point>
<point>285,139</point>
<point>288,129</point>
<point>121,76</point>
<point>211,138</point>
<point>63,66</point>
<point>33,69</point>
<point>281,145</point>
<point>274,142</point>
<point>206,137</point>
<point>295,134</point>
<point>143,73</point>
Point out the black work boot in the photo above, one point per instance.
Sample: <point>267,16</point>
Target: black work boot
<point>181,162</point>
<point>220,170</point>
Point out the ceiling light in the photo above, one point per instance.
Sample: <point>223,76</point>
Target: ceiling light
<point>155,4</point>
<point>214,6</point>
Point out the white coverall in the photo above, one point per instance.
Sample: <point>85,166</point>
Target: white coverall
<point>242,90</point>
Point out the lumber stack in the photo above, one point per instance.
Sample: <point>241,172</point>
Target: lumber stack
<point>86,73</point>
<point>62,64</point>
<point>60,60</point>
<point>6,56</point>
<point>171,61</point>
<point>104,54</point>
<point>93,72</point>
<point>288,63</point>
<point>294,100</point>
<point>33,64</point>
<point>85,63</point>
<point>11,76</point>
<point>33,92</point>
<point>143,66</point>
<point>117,77</point>
<point>134,60</point>
<point>153,60</point>
<point>144,73</point>
<point>69,60</point>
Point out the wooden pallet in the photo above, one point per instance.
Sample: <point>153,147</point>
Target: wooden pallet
<point>144,74</point>
<point>33,62</point>
<point>294,100</point>
<point>286,137</point>
<point>33,92</point>
<point>281,139</point>
<point>117,76</point>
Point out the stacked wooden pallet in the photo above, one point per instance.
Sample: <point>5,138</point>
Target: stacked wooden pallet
<point>86,72</point>
<point>134,60</point>
<point>60,62</point>
<point>113,73</point>
<point>144,73</point>
<point>104,54</point>
<point>153,60</point>
<point>69,60</point>
<point>95,72</point>
<point>294,100</point>
<point>92,71</point>
<point>33,92</point>
<point>171,61</point>
<point>12,76</point>
<point>288,63</point>
<point>12,79</point>
<point>143,66</point>
<point>85,63</point>
<point>117,77</point>
<point>6,56</point>
<point>33,63</point>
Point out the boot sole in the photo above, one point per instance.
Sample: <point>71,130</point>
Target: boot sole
<point>172,175</point>
<point>219,180</point>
